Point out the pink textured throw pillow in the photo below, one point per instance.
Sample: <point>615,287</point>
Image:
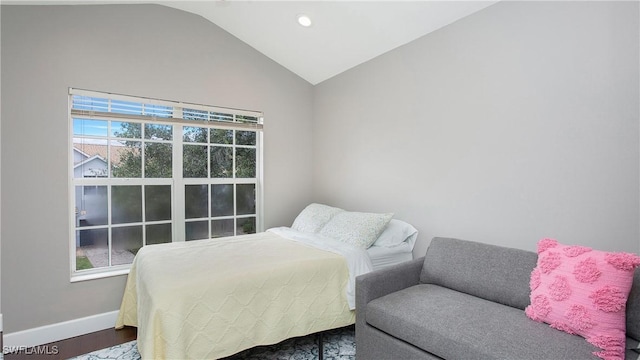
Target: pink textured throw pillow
<point>583,292</point>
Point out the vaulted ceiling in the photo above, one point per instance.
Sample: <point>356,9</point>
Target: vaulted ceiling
<point>343,34</point>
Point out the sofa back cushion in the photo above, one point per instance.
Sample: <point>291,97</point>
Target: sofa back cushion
<point>491,272</point>
<point>633,308</point>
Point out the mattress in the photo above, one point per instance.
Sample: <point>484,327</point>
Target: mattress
<point>214,298</point>
<point>382,257</point>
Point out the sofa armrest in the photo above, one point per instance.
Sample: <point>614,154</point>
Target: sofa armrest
<point>382,282</point>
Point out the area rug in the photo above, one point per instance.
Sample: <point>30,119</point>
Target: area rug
<point>339,344</point>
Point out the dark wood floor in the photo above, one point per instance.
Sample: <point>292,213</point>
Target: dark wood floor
<point>79,345</point>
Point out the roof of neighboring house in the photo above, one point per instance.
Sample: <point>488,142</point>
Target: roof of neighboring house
<point>91,150</point>
<point>90,159</point>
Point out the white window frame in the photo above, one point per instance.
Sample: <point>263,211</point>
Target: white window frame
<point>228,121</point>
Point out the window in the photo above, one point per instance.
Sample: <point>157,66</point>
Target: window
<point>149,171</point>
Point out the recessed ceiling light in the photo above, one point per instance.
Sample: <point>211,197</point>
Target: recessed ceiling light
<point>304,20</point>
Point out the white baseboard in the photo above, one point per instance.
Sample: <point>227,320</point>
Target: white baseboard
<point>60,331</point>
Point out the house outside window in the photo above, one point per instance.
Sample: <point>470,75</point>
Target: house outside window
<point>146,171</point>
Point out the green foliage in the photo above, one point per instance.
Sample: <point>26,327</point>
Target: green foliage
<point>249,226</point>
<point>157,162</point>
<point>157,155</point>
<point>221,162</point>
<point>83,263</point>
<point>221,136</point>
<point>245,137</point>
<point>130,165</point>
<point>245,163</point>
<point>194,161</point>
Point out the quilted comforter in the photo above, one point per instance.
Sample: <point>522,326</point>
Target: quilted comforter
<point>209,299</point>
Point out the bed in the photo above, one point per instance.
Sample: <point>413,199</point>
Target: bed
<point>209,299</point>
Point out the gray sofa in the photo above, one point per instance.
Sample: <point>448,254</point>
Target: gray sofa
<point>465,300</point>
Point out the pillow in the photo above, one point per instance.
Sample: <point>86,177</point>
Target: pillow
<point>583,292</point>
<point>314,217</point>
<point>356,228</point>
<point>397,232</point>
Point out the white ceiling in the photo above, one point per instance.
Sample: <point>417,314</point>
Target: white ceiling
<point>344,33</point>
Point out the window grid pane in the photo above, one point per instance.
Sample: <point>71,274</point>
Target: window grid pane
<point>121,200</point>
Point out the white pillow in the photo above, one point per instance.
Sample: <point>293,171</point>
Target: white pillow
<point>314,217</point>
<point>356,228</point>
<point>397,232</point>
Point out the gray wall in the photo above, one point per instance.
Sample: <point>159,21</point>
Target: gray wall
<point>515,123</point>
<point>144,50</point>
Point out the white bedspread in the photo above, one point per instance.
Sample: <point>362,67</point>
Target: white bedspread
<point>358,260</point>
<point>213,298</point>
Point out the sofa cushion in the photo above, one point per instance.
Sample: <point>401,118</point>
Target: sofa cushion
<point>491,272</point>
<point>455,325</point>
<point>633,349</point>
<point>633,308</point>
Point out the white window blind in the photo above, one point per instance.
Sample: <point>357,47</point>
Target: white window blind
<point>89,104</point>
